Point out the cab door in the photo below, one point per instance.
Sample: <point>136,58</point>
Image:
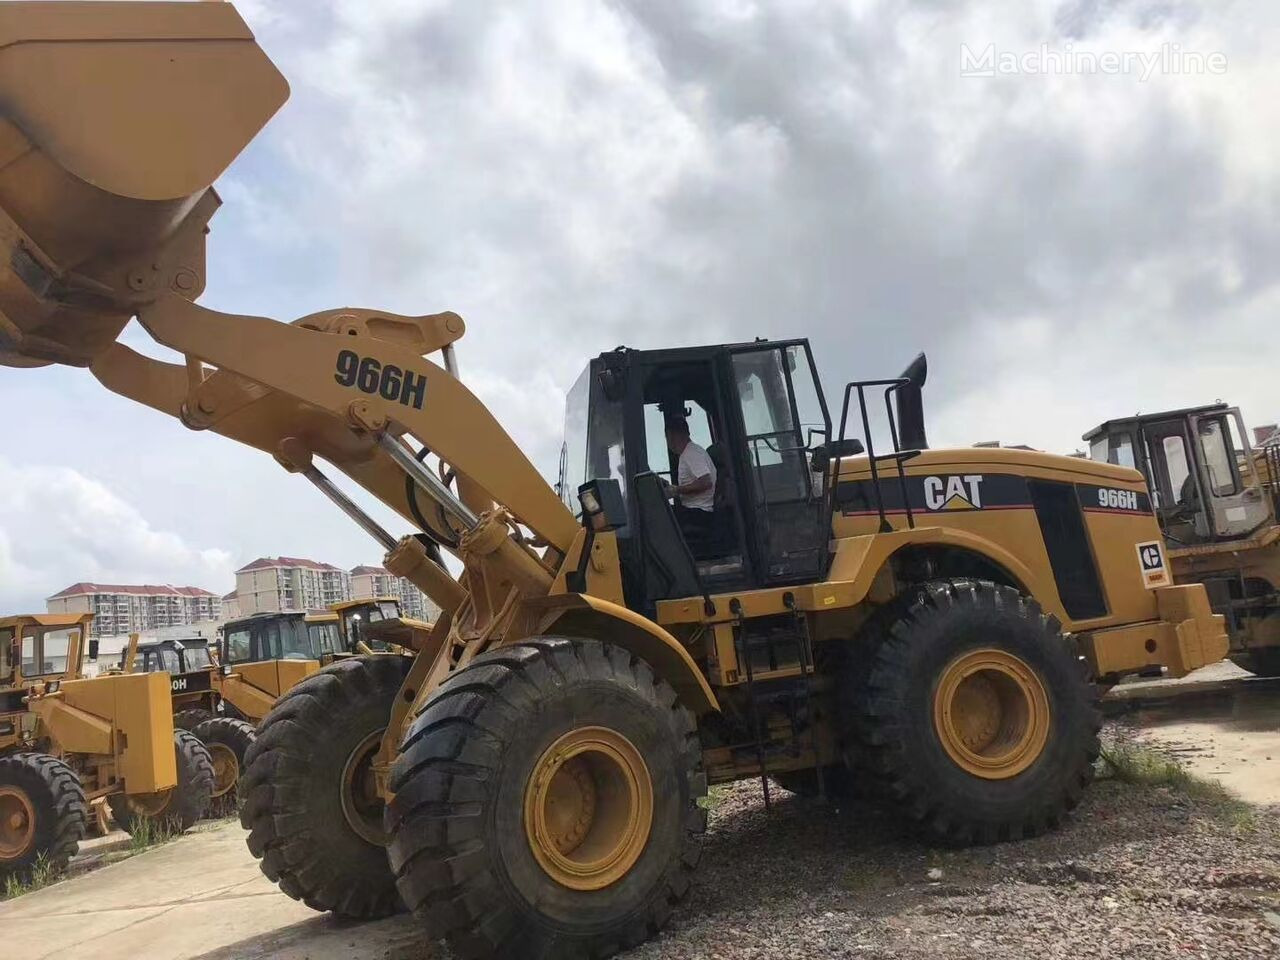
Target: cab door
<point>780,415</point>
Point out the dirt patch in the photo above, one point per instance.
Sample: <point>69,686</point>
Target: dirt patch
<point>1138,872</point>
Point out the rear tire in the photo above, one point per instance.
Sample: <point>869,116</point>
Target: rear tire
<point>228,742</point>
<point>43,814</point>
<point>191,718</point>
<point>306,789</point>
<point>975,716</point>
<point>517,833</point>
<point>180,807</point>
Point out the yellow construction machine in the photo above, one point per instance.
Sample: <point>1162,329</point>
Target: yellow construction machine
<point>1217,500</point>
<point>195,683</point>
<point>67,740</point>
<point>934,623</point>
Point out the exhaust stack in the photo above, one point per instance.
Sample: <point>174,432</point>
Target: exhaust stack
<point>115,120</point>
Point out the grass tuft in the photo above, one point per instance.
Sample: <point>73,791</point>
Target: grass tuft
<point>149,833</point>
<point>40,874</point>
<point>1145,767</point>
<point>715,796</point>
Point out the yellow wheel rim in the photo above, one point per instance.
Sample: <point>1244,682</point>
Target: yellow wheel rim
<point>150,805</point>
<point>17,823</point>
<point>588,808</point>
<point>361,803</point>
<point>991,713</point>
<point>226,768</point>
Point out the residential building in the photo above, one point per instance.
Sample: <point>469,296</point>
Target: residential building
<point>231,606</point>
<point>120,609</point>
<point>273,584</point>
<point>369,581</point>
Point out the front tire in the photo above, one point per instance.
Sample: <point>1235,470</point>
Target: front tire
<point>178,808</point>
<point>308,798</point>
<point>545,803</point>
<point>228,741</point>
<point>43,814</point>
<point>975,716</point>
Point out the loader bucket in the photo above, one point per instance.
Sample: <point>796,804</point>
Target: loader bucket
<point>115,120</point>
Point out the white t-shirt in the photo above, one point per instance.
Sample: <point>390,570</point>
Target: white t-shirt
<point>694,463</point>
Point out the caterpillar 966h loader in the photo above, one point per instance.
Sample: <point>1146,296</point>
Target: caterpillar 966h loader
<point>1217,501</point>
<point>934,622</point>
<point>66,740</point>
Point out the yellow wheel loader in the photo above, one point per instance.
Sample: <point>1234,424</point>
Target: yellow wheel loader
<point>934,623</point>
<point>1216,499</point>
<point>66,741</point>
<point>195,683</point>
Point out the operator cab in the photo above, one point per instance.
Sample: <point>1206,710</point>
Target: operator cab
<point>266,636</point>
<point>172,656</point>
<point>354,617</point>
<point>759,412</point>
<point>1203,476</point>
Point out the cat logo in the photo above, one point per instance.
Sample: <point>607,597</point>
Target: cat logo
<point>1151,561</point>
<point>953,493</point>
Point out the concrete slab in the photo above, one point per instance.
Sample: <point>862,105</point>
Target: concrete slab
<point>199,896</point>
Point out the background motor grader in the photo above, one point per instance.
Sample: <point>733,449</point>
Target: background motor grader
<point>1216,500</point>
<point>66,740</point>
<point>195,682</point>
<point>933,622</point>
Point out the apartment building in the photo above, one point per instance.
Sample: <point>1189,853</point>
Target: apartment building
<point>273,584</point>
<point>369,581</point>
<point>133,608</point>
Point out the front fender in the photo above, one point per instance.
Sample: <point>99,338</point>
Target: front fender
<point>580,615</point>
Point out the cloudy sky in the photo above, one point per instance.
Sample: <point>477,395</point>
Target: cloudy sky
<point>574,175</point>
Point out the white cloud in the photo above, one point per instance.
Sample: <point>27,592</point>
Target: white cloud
<point>657,173</point>
<point>58,527</point>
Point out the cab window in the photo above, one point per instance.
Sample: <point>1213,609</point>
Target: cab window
<point>238,646</point>
<point>1181,484</point>
<point>1218,458</point>
<point>324,637</point>
<point>6,652</point>
<point>293,641</point>
<point>390,609</point>
<point>1116,448</point>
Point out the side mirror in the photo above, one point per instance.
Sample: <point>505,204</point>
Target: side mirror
<point>93,649</point>
<point>823,455</point>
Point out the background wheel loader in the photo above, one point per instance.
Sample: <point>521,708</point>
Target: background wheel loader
<point>66,741</point>
<point>1216,499</point>
<point>934,622</point>
<point>196,687</point>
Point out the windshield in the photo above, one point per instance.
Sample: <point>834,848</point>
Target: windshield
<point>161,660</point>
<point>390,609</point>
<point>44,653</point>
<point>197,658</point>
<point>573,456</point>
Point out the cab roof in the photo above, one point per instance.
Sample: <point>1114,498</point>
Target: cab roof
<point>362,602</point>
<point>47,619</point>
<point>1145,418</point>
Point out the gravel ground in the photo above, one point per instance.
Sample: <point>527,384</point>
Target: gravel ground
<point>1138,872</point>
